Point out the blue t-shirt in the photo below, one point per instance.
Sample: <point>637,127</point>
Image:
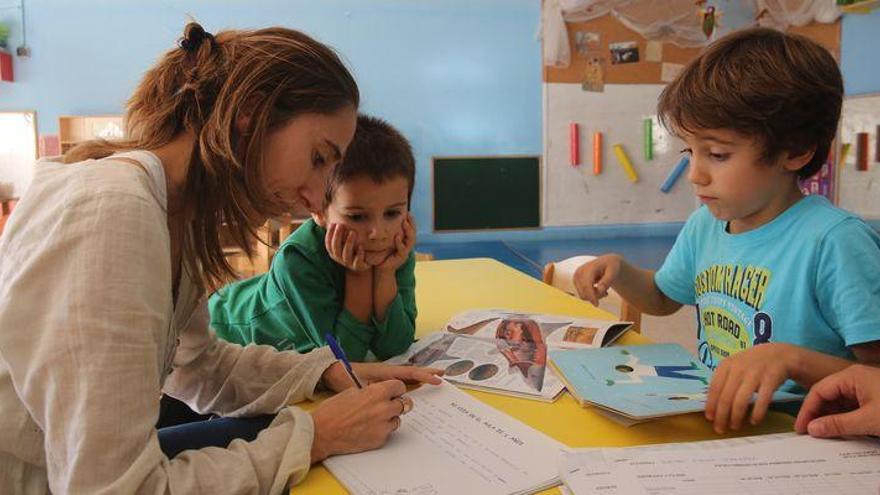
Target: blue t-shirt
<point>810,277</point>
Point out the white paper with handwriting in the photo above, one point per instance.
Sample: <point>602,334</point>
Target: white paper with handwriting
<point>451,443</point>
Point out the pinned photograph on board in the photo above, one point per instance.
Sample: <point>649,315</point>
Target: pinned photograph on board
<point>586,42</point>
<point>669,71</point>
<point>594,76</point>
<point>624,52</point>
<point>654,51</point>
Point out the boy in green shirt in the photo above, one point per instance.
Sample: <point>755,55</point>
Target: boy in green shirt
<point>349,270</point>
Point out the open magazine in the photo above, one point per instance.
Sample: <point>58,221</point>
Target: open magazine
<point>504,351</point>
<point>639,383</point>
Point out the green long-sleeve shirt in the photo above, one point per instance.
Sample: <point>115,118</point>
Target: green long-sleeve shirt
<point>302,297</point>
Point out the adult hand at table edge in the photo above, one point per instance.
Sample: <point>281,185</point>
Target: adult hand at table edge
<point>356,420</point>
<point>845,403</point>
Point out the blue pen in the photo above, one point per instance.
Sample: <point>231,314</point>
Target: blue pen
<point>340,355</point>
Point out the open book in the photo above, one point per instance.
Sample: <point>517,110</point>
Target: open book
<point>504,351</point>
<point>639,382</point>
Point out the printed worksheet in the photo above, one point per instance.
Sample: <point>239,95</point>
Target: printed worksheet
<point>447,432</point>
<point>574,463</point>
<point>761,466</point>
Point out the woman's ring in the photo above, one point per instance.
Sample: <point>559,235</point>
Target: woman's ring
<point>406,404</point>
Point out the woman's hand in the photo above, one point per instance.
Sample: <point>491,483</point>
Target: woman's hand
<point>593,280</point>
<point>358,419</point>
<point>845,403</point>
<point>342,246</point>
<point>761,369</point>
<point>336,379</point>
<point>403,245</point>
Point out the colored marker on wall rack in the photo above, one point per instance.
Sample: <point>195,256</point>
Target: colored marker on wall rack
<point>574,145</point>
<point>625,163</point>
<point>877,145</point>
<point>597,153</point>
<point>675,174</point>
<point>844,152</point>
<point>862,151</point>
<point>649,138</point>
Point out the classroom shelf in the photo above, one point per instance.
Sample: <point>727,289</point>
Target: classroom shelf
<point>74,129</point>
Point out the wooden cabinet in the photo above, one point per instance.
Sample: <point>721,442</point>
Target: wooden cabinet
<point>271,235</point>
<point>73,129</point>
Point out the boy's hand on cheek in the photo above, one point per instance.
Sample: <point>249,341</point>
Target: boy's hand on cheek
<point>343,248</point>
<point>761,369</point>
<point>403,245</point>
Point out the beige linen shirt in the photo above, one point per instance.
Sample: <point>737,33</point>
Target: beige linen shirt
<point>89,336</point>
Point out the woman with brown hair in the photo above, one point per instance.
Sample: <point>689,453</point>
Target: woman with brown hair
<point>105,260</point>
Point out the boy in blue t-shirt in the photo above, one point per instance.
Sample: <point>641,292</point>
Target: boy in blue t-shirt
<point>763,264</point>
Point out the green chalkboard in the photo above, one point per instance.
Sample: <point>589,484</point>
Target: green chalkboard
<point>472,193</point>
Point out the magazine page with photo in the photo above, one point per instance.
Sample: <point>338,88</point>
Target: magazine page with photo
<point>556,331</point>
<point>504,351</point>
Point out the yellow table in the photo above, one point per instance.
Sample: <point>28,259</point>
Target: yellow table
<point>446,287</point>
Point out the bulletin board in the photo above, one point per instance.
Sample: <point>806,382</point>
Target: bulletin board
<point>611,30</point>
<point>573,195</point>
<point>859,190</point>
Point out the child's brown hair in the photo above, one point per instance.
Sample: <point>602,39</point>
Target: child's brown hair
<point>204,87</point>
<point>377,151</point>
<point>782,89</point>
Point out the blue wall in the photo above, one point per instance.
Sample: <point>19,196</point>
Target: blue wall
<point>458,77</point>
<point>860,55</point>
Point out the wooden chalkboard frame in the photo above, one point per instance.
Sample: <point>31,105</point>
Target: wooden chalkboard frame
<point>540,192</point>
